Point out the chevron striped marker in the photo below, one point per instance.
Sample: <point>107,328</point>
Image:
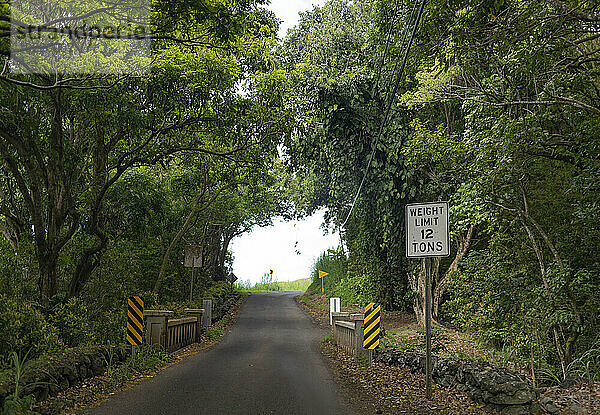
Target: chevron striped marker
<point>135,320</point>
<point>371,330</point>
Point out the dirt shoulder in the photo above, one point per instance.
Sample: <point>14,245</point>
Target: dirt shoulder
<point>382,389</point>
<point>396,391</point>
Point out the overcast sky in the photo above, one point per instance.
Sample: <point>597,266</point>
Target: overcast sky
<point>288,248</point>
<point>287,10</point>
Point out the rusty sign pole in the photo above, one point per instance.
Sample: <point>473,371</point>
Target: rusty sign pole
<point>192,287</point>
<point>428,327</point>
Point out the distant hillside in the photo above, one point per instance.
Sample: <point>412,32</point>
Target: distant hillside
<point>274,286</point>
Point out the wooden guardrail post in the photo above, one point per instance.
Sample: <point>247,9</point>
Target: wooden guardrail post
<point>156,327</point>
<point>198,313</point>
<point>207,316</point>
<point>359,321</point>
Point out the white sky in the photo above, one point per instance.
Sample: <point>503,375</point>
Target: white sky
<point>275,248</point>
<point>287,10</point>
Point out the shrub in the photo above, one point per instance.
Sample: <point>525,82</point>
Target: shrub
<point>24,329</point>
<point>72,319</point>
<point>355,290</point>
<point>333,262</point>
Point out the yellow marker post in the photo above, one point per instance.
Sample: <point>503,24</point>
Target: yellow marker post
<point>135,322</point>
<point>371,328</point>
<point>321,275</point>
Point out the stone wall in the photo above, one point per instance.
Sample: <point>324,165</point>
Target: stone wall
<point>504,390</point>
<point>49,376</point>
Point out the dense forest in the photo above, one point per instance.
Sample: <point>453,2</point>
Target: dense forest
<point>491,105</point>
<point>106,177</point>
<point>497,112</point>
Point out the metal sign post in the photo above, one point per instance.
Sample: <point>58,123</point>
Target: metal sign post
<point>428,327</point>
<point>427,236</point>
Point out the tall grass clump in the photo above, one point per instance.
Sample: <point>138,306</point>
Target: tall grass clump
<point>335,263</point>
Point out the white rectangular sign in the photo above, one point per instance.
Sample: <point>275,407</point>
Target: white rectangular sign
<point>427,230</point>
<point>193,256</point>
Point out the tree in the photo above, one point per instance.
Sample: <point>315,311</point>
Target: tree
<point>66,142</point>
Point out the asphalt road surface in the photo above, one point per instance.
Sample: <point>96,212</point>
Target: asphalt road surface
<point>269,364</point>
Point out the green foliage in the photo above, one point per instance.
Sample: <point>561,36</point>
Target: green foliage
<point>481,123</point>
<point>267,284</point>
<point>24,329</point>
<point>147,358</point>
<point>355,290</point>
<point>214,333</point>
<point>334,263</point>
<point>15,404</point>
<point>74,323</point>
<point>19,406</point>
<point>587,364</point>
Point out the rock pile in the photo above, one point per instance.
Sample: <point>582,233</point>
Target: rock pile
<point>506,391</point>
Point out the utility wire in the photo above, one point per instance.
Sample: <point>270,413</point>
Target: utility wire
<point>387,42</point>
<point>390,102</point>
<point>402,47</point>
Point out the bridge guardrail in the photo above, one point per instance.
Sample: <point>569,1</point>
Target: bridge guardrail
<point>173,334</point>
<point>348,332</point>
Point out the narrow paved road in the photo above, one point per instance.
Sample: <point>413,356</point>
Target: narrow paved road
<point>269,364</point>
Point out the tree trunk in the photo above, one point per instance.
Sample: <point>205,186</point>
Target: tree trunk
<point>196,209</point>
<point>441,284</point>
<point>540,257</point>
<point>417,285</point>
<point>90,259</point>
<point>47,282</point>
<point>224,247</point>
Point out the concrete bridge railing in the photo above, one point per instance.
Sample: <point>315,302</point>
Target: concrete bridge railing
<point>348,332</point>
<point>172,334</point>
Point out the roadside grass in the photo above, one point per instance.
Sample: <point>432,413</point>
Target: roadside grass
<point>446,342</point>
<point>147,361</point>
<point>295,286</point>
<point>318,302</point>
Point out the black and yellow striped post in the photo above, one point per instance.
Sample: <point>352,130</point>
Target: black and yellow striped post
<point>135,322</point>
<point>371,328</point>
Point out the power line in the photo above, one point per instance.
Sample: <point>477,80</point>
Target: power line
<point>390,102</point>
<point>385,49</point>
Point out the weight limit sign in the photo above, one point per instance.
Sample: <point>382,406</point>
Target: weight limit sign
<point>427,230</point>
